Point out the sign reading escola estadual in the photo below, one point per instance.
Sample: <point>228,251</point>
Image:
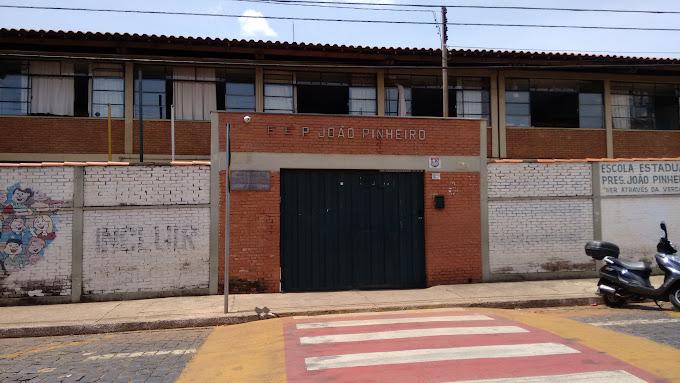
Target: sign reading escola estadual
<point>639,178</point>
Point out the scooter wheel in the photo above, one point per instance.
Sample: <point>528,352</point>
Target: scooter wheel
<point>674,297</point>
<point>613,301</point>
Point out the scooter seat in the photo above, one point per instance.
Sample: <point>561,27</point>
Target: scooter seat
<point>638,266</point>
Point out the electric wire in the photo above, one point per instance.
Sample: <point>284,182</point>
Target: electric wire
<point>174,13</point>
<point>468,6</point>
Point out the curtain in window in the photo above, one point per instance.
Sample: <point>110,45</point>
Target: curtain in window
<point>621,106</point>
<point>51,94</point>
<point>194,94</point>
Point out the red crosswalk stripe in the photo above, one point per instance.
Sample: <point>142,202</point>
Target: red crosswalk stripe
<point>439,346</point>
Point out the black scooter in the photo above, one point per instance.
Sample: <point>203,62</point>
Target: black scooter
<point>623,281</point>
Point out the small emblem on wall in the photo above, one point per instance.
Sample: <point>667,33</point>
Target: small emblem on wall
<point>435,163</point>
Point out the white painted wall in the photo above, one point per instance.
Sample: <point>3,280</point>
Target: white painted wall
<point>633,223</point>
<point>147,185</point>
<point>144,250</point>
<point>508,180</point>
<point>540,217</point>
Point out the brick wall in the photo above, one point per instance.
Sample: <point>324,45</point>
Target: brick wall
<point>153,244</point>
<point>47,270</point>
<point>254,261</point>
<point>452,235</point>
<point>267,133</point>
<point>147,185</point>
<point>145,250</point>
<point>59,135</point>
<point>191,137</point>
<point>646,144</point>
<point>529,143</point>
<point>145,231</point>
<point>540,216</point>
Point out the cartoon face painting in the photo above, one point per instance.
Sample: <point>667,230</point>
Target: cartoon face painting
<point>17,225</point>
<point>28,227</point>
<point>35,246</point>
<point>13,247</point>
<point>21,196</point>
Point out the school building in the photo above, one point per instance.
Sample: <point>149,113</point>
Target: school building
<point>340,166</point>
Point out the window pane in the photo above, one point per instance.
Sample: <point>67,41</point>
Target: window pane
<point>362,107</point>
<point>105,97</point>
<point>522,97</point>
<point>272,90</point>
<point>103,83</point>
<point>99,110</point>
<point>278,103</point>
<point>590,98</point>
<point>240,89</point>
<point>517,109</point>
<point>590,122</point>
<point>240,103</point>
<point>517,120</point>
<point>362,93</point>
<point>591,111</point>
<point>13,108</point>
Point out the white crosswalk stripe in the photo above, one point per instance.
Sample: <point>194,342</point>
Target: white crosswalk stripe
<point>435,355</point>
<point>384,321</point>
<point>414,333</point>
<point>617,376</point>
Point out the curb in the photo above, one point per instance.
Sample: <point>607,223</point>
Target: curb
<point>101,328</point>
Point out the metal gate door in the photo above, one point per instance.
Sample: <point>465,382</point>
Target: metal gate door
<point>351,230</point>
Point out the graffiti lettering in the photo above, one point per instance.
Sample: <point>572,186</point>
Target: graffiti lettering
<point>126,239</point>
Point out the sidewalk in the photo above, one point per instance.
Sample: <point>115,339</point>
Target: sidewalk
<point>161,313</point>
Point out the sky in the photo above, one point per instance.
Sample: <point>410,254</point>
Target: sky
<point>632,43</point>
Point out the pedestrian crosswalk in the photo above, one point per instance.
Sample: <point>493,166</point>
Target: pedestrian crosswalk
<point>440,346</point>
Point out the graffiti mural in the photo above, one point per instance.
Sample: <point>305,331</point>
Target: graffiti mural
<point>28,227</point>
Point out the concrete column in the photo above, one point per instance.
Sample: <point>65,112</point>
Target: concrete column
<point>129,106</point>
<point>77,234</point>
<point>608,120</point>
<point>484,204</point>
<point>217,163</point>
<point>494,116</point>
<point>502,140</point>
<point>259,90</point>
<point>380,90</point>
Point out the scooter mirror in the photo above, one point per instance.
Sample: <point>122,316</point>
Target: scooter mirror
<point>663,227</point>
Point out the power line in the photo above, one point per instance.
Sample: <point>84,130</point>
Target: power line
<point>364,21</point>
<point>561,50</point>
<point>322,4</point>
<point>506,7</point>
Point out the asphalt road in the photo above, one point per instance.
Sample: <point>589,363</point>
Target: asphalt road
<point>642,320</point>
<point>144,356</point>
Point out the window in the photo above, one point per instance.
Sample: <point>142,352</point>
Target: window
<point>393,101</point>
<point>52,88</point>
<point>237,87</point>
<point>13,88</point>
<point>320,92</point>
<point>107,88</point>
<point>554,103</point>
<point>278,92</point>
<point>645,106</point>
<point>193,92</point>
<point>155,86</point>
<point>470,96</point>
<point>422,96</point>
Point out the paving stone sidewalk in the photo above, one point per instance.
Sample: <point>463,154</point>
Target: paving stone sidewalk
<point>198,311</point>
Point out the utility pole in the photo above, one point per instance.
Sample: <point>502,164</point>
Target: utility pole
<point>445,65</point>
<point>141,116</point>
